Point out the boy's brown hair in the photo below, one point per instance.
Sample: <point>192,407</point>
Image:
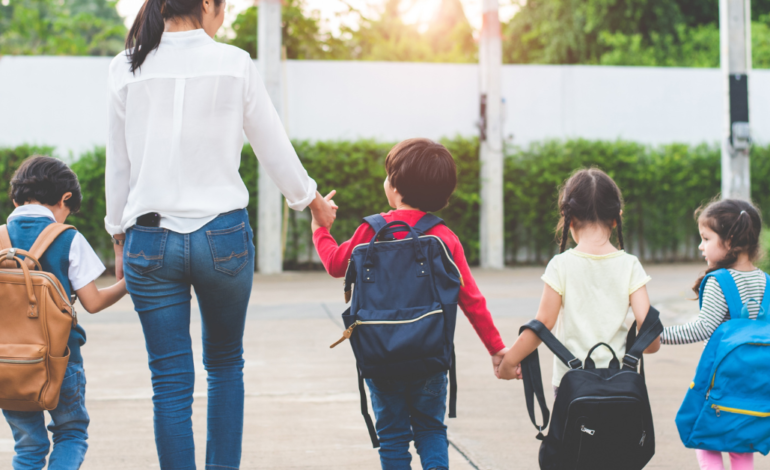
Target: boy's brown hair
<point>45,180</point>
<point>423,172</point>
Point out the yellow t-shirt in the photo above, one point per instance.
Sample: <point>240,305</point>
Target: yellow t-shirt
<point>595,292</point>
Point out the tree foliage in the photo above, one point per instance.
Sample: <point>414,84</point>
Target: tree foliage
<point>383,36</point>
<point>53,27</point>
<point>682,33</point>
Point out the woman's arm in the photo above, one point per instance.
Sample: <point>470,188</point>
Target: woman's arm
<point>640,305</point>
<point>527,342</point>
<point>95,300</point>
<point>117,171</point>
<point>273,148</point>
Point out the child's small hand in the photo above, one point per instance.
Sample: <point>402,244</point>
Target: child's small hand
<point>497,359</point>
<point>315,224</point>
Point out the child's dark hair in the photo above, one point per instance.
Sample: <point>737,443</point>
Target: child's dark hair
<point>737,223</point>
<point>423,172</point>
<point>589,196</point>
<point>45,180</point>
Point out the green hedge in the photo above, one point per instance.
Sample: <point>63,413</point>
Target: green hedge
<point>662,186</point>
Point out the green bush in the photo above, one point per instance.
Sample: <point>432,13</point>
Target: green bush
<point>662,186</point>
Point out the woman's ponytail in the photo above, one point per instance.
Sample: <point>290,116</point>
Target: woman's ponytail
<point>145,33</point>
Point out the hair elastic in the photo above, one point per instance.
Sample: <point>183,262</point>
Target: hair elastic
<point>742,212</point>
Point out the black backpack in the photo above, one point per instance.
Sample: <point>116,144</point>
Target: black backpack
<point>601,417</point>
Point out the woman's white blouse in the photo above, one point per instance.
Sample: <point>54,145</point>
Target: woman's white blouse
<point>176,134</point>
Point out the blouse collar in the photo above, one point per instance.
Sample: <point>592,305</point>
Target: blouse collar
<point>186,39</point>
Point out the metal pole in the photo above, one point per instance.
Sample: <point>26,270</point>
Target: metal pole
<point>270,199</point>
<point>735,62</point>
<point>490,69</point>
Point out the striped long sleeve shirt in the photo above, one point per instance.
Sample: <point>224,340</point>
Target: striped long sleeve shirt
<point>714,311</point>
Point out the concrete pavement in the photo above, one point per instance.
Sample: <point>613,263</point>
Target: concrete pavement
<point>302,398</point>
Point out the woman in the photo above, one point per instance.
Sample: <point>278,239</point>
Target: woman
<point>179,104</point>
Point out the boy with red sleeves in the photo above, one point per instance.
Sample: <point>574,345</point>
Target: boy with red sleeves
<point>421,178</point>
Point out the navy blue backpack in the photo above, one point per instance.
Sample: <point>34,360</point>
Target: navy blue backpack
<point>401,320</point>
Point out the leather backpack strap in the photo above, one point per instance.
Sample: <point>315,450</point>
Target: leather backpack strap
<point>46,237</point>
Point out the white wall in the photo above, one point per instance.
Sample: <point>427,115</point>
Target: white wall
<point>62,101</point>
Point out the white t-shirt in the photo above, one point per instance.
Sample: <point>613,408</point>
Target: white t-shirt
<point>595,292</point>
<point>85,265</point>
<point>175,135</point>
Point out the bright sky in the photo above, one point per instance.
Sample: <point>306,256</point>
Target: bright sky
<point>333,11</point>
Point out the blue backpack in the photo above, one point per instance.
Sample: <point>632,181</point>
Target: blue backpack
<point>401,320</point>
<point>727,408</point>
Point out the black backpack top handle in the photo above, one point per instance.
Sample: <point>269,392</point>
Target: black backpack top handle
<point>530,366</point>
<point>589,363</point>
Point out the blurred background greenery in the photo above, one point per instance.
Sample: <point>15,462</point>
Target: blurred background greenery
<point>662,186</point>
<point>676,33</point>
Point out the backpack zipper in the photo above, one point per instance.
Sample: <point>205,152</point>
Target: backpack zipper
<point>716,369</point>
<point>53,283</point>
<point>347,333</point>
<point>459,274</point>
<point>758,414</point>
<point>21,361</point>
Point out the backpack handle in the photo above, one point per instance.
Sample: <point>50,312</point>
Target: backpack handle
<point>761,315</point>
<point>589,363</point>
<point>415,242</point>
<point>12,255</point>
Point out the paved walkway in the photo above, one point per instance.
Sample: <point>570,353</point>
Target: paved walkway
<point>301,398</point>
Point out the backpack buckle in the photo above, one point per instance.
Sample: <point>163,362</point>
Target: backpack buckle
<point>630,361</point>
<point>578,366</point>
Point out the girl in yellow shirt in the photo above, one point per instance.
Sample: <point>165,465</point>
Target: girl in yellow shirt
<point>591,285</point>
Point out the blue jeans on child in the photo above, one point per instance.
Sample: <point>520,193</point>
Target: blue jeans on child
<point>69,426</point>
<point>409,410</point>
<point>160,266</point>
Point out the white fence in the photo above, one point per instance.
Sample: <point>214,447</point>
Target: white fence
<point>62,101</point>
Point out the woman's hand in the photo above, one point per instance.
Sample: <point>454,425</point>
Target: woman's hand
<point>119,257</point>
<point>323,210</point>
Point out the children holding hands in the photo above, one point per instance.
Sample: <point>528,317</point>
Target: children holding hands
<point>590,286</point>
<point>421,177</point>
<point>44,191</point>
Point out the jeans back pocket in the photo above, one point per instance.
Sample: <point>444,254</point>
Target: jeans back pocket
<point>144,248</point>
<point>229,248</point>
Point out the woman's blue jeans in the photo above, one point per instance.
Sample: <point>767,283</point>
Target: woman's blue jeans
<point>160,266</point>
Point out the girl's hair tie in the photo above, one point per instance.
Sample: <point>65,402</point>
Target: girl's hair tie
<point>742,212</point>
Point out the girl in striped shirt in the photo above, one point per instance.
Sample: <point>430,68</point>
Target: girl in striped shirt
<point>729,231</point>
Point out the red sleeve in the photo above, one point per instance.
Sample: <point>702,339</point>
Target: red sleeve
<point>472,302</point>
<point>335,258</point>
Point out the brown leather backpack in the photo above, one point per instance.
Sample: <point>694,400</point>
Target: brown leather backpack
<point>36,317</point>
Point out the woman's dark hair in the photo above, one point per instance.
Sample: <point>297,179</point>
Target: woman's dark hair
<point>737,223</point>
<point>423,172</point>
<point>589,196</point>
<point>149,24</point>
<point>45,180</point>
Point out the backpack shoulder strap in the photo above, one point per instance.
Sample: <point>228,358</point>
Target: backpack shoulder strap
<point>553,344</point>
<point>635,346</point>
<point>376,221</point>
<point>5,239</point>
<point>427,222</point>
<point>532,377</point>
<point>729,290</point>
<point>46,237</point>
<point>764,308</point>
